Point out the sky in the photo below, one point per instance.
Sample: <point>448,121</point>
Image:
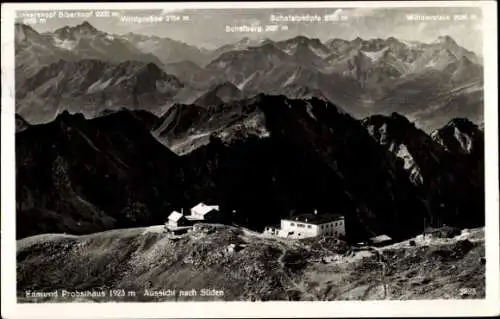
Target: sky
<point>207,27</point>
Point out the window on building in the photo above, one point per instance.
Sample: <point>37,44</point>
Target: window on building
<point>309,226</point>
<point>301,225</point>
<point>292,224</point>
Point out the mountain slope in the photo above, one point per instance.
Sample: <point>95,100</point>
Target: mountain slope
<point>431,83</point>
<point>81,176</point>
<point>86,42</point>
<point>452,185</point>
<point>167,50</point>
<point>91,86</point>
<point>221,93</point>
<point>265,158</point>
<point>461,136</point>
<point>35,50</point>
<point>268,155</point>
<point>364,76</point>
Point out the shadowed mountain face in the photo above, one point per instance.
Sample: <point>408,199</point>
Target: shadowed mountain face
<point>92,86</point>
<point>461,136</point>
<point>168,50</point>
<point>21,123</point>
<point>447,167</point>
<point>221,93</point>
<point>281,158</point>
<point>265,157</point>
<point>314,144</point>
<point>81,176</point>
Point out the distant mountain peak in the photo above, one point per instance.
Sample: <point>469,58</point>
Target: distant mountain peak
<point>85,25</point>
<point>225,84</point>
<point>23,26</point>
<point>266,40</point>
<point>460,135</point>
<point>395,121</point>
<point>269,47</point>
<point>245,40</point>
<point>398,117</point>
<point>84,28</point>
<point>219,93</point>
<point>445,39</point>
<point>300,38</point>
<point>24,31</point>
<point>461,122</point>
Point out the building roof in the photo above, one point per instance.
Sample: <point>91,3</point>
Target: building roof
<point>380,238</point>
<point>316,219</point>
<point>203,209</point>
<point>175,216</point>
<point>193,218</point>
<point>274,226</point>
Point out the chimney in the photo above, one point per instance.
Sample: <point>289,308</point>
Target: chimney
<point>306,220</point>
<point>182,210</point>
<point>315,212</point>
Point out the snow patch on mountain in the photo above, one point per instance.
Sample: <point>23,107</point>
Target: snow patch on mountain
<point>64,44</point>
<point>375,55</point>
<point>243,83</point>
<point>464,140</point>
<point>309,108</point>
<point>290,49</point>
<point>290,79</point>
<point>99,85</point>
<point>123,78</point>
<point>321,53</point>
<point>409,163</point>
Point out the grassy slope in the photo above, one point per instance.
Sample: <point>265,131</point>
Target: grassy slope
<point>264,269</point>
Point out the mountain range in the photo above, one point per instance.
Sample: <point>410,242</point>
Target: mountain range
<point>117,131</point>
<point>93,86</point>
<point>35,50</point>
<point>265,157</point>
<point>430,83</point>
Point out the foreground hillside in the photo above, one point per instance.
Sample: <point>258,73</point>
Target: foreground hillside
<point>247,266</point>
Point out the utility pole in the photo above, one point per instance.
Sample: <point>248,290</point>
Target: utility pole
<point>423,232</point>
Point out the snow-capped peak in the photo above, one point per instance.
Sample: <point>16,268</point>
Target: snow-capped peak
<point>444,39</point>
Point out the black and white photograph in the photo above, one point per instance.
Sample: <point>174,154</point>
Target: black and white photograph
<point>199,154</point>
